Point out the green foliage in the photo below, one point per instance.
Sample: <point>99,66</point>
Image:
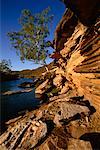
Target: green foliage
<point>53,92</point>
<point>31,41</point>
<point>5,65</point>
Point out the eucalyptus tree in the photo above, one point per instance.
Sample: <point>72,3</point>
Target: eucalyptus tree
<point>31,41</point>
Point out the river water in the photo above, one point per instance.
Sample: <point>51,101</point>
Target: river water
<point>14,105</point>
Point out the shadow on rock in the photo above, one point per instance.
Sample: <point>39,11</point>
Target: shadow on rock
<point>94,139</point>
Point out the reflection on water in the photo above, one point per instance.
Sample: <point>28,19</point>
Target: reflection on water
<point>11,105</point>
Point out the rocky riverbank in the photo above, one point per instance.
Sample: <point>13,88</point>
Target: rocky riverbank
<point>61,123</point>
<point>69,118</point>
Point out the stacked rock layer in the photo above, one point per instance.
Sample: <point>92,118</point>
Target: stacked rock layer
<point>69,119</point>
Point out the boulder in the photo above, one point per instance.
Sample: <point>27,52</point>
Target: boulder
<point>57,80</point>
<point>61,140</point>
<point>57,140</point>
<point>61,96</point>
<point>76,144</point>
<point>65,88</point>
<point>60,110</point>
<point>26,85</point>
<point>77,128</point>
<point>41,88</point>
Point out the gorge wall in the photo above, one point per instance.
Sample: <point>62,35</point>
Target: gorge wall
<point>80,62</point>
<point>77,42</point>
<point>69,116</point>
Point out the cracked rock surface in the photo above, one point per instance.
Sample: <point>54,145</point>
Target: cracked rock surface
<point>70,118</point>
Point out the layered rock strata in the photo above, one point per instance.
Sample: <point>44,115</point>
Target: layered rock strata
<point>36,127</point>
<point>70,118</point>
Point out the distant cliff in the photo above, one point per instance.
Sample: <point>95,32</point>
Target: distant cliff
<point>4,76</point>
<point>35,72</point>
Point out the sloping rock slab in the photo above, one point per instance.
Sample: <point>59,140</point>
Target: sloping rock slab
<point>23,135</point>
<point>59,110</point>
<point>17,92</point>
<point>41,88</point>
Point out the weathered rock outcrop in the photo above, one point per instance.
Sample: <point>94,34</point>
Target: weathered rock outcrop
<point>61,140</point>
<point>80,56</point>
<point>41,88</point>
<point>70,118</point>
<point>33,128</point>
<point>80,64</point>
<point>25,133</point>
<point>87,11</point>
<point>82,52</point>
<point>65,29</point>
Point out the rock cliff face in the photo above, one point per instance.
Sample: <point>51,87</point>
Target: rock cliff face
<point>82,69</point>
<point>80,55</point>
<point>70,118</point>
<point>86,11</point>
<point>78,64</point>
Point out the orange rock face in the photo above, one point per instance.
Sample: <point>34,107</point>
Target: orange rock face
<point>83,63</point>
<point>67,120</point>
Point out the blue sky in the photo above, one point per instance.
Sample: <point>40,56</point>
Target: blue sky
<point>10,12</point>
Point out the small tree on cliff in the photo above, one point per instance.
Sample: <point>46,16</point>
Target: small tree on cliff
<point>31,41</point>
